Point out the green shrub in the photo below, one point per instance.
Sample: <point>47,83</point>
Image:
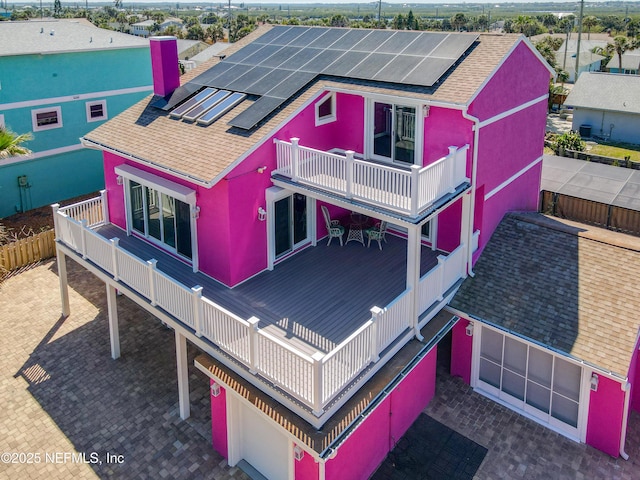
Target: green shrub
<point>569,141</point>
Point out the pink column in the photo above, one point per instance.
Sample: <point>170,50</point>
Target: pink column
<point>461,350</point>
<point>219,422</point>
<point>604,425</point>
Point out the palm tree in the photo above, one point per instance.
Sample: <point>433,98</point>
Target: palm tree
<point>11,143</point>
<point>589,21</point>
<point>621,44</point>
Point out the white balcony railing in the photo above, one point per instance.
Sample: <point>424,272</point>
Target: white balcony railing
<point>314,380</point>
<point>406,191</point>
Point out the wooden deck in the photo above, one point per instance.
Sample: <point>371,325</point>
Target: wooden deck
<point>314,299</point>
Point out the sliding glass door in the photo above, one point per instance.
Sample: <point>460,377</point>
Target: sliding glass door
<point>161,218</point>
<point>290,222</point>
<point>394,132</point>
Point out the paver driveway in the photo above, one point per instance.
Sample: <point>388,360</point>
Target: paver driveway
<point>61,393</point>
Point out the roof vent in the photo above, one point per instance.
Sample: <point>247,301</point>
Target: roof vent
<point>41,29</point>
<point>52,32</point>
<point>90,39</point>
<point>111,40</point>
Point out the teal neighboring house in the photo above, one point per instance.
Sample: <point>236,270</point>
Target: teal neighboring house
<point>60,80</point>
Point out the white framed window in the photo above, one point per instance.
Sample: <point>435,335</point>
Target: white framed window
<point>96,110</point>
<point>46,118</point>
<point>326,109</point>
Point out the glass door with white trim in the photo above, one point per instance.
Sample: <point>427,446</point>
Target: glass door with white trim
<point>394,133</point>
<point>540,383</point>
<point>160,218</point>
<point>290,223</point>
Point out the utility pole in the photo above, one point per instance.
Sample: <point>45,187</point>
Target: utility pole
<point>379,11</point>
<point>579,36</point>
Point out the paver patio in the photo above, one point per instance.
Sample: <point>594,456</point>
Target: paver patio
<point>61,393</point>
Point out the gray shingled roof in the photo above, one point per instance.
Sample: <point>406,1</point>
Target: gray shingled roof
<point>606,91</point>
<point>34,37</point>
<point>565,285</point>
<point>630,60</point>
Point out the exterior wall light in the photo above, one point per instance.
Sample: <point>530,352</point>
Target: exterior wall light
<point>215,390</point>
<point>262,169</point>
<point>469,329</point>
<point>262,214</point>
<point>594,382</point>
<point>119,180</point>
<point>195,212</point>
<point>298,453</point>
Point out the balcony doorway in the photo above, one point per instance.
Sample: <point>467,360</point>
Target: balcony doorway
<point>290,223</point>
<point>394,133</point>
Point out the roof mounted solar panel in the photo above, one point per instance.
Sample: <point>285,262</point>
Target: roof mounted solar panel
<point>256,112</point>
<point>192,102</point>
<point>203,107</point>
<point>221,108</point>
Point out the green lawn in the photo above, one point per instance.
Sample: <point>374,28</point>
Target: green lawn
<point>622,151</point>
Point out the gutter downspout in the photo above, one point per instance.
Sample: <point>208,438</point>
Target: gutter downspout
<point>474,168</point>
<point>626,387</point>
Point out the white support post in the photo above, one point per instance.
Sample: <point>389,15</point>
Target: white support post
<point>253,345</point>
<point>83,237</point>
<point>183,375</point>
<point>197,309</point>
<point>451,168</point>
<point>105,206</point>
<point>64,286</point>
<point>152,280</point>
<point>376,312</point>
<point>350,167</point>
<point>318,391</point>
<point>114,332</point>
<point>440,277</point>
<point>295,158</point>
<point>115,243</point>
<point>56,223</point>
<point>413,276</point>
<point>466,228</point>
<point>414,208</point>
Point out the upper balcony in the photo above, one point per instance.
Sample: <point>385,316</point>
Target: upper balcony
<point>404,190</point>
<point>312,330</point>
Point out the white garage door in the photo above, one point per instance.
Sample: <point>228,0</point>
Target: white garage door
<point>266,449</point>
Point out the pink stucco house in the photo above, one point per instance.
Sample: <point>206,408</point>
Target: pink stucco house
<point>321,348</point>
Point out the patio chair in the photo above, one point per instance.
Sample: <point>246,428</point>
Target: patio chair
<point>334,229</point>
<point>377,233</point>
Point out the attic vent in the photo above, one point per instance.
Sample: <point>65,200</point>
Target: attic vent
<point>208,105</point>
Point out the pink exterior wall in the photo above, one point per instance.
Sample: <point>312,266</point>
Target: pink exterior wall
<point>368,445</point>
<point>164,65</point>
<point>604,424</point>
<point>306,469</point>
<point>634,378</point>
<point>214,243</point>
<point>449,227</point>
<point>507,146</point>
<point>461,351</point>
<point>525,78</point>
<point>219,422</point>
<point>445,128</point>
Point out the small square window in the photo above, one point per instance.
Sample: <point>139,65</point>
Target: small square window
<point>46,118</point>
<point>96,111</point>
<point>326,109</point>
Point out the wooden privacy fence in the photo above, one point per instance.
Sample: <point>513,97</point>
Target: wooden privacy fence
<point>28,250</point>
<point>594,213</point>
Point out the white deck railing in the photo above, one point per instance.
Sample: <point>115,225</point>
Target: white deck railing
<point>407,191</point>
<point>314,380</point>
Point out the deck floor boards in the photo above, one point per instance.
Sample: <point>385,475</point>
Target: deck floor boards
<point>315,299</point>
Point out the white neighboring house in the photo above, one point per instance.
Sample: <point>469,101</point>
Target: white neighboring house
<point>144,28</point>
<point>609,104</point>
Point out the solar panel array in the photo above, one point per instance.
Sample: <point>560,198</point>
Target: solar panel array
<point>279,63</point>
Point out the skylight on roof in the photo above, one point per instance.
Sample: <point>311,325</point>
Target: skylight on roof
<point>192,102</point>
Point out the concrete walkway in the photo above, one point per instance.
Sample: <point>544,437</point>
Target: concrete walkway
<point>61,394</point>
